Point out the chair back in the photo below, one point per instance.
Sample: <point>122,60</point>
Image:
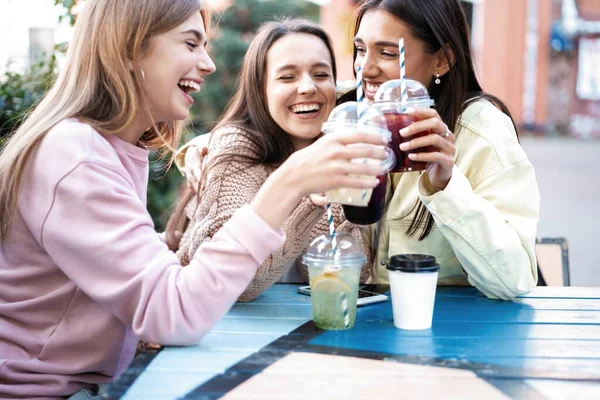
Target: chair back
<point>553,261</point>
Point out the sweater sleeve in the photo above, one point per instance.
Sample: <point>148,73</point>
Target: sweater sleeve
<point>101,236</point>
<point>490,209</point>
<point>360,234</point>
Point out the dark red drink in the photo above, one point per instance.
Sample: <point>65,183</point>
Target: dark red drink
<point>396,122</point>
<point>373,211</point>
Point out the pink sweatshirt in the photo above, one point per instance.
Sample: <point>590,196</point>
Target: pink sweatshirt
<point>83,273</point>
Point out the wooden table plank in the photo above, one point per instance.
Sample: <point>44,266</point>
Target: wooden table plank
<point>465,348</point>
<point>536,303</point>
<point>274,311</point>
<point>165,385</point>
<point>258,325</point>
<point>571,292</point>
<point>504,312</point>
<point>560,390</point>
<point>539,292</point>
<point>476,331</point>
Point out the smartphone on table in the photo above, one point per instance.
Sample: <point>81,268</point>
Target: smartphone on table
<point>367,294</point>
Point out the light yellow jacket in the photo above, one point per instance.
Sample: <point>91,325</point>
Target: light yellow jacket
<point>485,219</point>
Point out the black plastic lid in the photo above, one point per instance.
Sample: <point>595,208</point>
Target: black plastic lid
<point>413,263</point>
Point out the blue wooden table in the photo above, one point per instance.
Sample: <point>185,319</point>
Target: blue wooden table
<point>544,345</point>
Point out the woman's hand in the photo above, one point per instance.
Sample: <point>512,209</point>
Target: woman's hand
<point>439,163</point>
<point>318,199</point>
<point>194,156</point>
<point>324,165</point>
<point>327,163</point>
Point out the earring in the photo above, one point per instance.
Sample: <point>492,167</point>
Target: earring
<point>437,78</point>
<point>141,70</point>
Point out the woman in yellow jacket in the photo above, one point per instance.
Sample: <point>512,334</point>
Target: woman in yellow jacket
<point>476,206</point>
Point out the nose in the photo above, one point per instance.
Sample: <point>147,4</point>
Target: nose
<point>206,64</point>
<point>369,65</point>
<point>307,86</point>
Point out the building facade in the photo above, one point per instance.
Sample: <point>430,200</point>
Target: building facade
<point>542,57</point>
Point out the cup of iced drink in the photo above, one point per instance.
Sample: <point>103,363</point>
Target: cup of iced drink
<point>334,280</point>
<point>388,101</point>
<point>413,281</point>
<point>361,206</point>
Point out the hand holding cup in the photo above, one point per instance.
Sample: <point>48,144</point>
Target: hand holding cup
<point>440,162</point>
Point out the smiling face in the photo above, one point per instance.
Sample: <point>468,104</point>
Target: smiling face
<point>300,88</point>
<point>376,43</point>
<point>175,66</point>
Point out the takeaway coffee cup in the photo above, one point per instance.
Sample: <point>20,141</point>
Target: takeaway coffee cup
<point>413,280</point>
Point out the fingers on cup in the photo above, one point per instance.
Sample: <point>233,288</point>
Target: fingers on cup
<point>375,152</point>
<point>357,182</point>
<point>433,157</point>
<point>422,112</point>
<point>363,137</point>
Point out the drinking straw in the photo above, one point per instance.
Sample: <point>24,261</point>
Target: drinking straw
<point>332,232</point>
<point>360,98</point>
<point>360,93</point>
<point>402,73</point>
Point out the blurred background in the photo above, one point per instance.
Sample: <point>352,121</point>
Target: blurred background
<point>542,57</point>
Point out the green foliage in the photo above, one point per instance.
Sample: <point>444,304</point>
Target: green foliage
<point>68,6</point>
<point>20,91</point>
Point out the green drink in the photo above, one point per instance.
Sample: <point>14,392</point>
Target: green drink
<point>334,281</point>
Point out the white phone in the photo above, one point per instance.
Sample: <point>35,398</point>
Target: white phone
<point>364,296</point>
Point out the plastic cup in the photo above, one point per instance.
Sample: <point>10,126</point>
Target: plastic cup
<point>361,206</point>
<point>334,281</point>
<point>413,281</point>
<point>388,101</point>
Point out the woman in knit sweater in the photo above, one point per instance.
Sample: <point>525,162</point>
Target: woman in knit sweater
<point>286,92</point>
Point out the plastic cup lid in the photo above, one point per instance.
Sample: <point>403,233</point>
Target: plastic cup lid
<point>412,263</point>
<point>320,253</point>
<point>354,114</point>
<point>391,92</point>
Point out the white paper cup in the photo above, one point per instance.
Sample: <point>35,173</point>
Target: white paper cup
<point>413,280</point>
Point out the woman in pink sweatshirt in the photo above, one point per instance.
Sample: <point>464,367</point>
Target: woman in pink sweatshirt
<point>83,274</point>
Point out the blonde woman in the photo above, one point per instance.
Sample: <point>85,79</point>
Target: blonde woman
<point>83,274</point>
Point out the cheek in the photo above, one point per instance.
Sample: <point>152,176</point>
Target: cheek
<point>276,97</point>
<point>392,69</point>
<point>329,92</point>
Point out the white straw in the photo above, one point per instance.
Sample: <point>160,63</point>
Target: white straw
<point>402,73</point>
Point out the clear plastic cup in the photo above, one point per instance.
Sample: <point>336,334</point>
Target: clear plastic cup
<point>361,206</point>
<point>413,281</point>
<point>388,101</point>
<point>334,281</point>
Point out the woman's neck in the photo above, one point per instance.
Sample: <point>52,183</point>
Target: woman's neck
<point>135,132</point>
<point>299,144</point>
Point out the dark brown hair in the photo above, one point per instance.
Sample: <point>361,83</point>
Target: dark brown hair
<point>439,24</point>
<point>267,142</point>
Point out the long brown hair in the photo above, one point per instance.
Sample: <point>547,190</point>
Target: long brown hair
<point>97,85</point>
<point>439,24</point>
<point>247,111</point>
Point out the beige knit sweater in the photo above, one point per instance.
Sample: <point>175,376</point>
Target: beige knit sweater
<point>230,185</point>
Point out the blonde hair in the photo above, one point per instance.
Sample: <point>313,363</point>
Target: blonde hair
<point>101,84</point>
